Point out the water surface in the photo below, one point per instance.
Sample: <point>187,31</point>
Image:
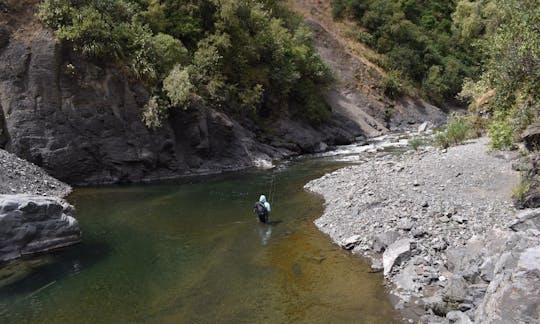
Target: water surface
<point>194,253</point>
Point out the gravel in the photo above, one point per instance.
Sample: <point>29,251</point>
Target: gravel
<point>18,176</point>
<point>437,199</point>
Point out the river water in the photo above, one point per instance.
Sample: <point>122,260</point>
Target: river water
<point>194,253</point>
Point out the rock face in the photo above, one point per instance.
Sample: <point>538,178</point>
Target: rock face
<point>34,224</point>
<point>82,122</point>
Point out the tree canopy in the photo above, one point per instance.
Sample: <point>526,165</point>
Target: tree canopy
<point>246,56</point>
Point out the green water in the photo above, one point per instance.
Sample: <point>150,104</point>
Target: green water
<point>194,253</point>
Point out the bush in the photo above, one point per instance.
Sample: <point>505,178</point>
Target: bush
<point>456,132</point>
<point>178,87</point>
<point>519,191</point>
<point>391,84</point>
<point>416,142</point>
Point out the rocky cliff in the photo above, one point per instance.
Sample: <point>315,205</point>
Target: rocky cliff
<point>81,120</point>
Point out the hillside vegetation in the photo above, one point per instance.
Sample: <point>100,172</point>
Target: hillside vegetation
<point>248,57</point>
<point>485,52</point>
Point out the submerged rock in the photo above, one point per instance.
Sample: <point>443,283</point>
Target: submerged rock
<point>32,224</point>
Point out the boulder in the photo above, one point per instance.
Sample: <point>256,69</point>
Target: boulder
<point>455,290</point>
<point>458,317</point>
<point>425,126</point>
<point>382,241</point>
<point>526,220</point>
<point>395,254</point>
<point>31,224</point>
<point>512,296</point>
<point>531,137</point>
<point>351,242</point>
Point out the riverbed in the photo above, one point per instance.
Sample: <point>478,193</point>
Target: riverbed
<point>193,252</point>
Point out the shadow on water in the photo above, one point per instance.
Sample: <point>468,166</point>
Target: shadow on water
<point>41,271</point>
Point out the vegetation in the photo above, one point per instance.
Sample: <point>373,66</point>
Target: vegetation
<point>418,42</point>
<point>492,45</point>
<point>519,191</point>
<point>246,56</point>
<point>508,33</point>
<point>416,142</point>
<point>456,132</point>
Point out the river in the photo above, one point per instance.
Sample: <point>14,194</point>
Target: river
<point>194,253</point>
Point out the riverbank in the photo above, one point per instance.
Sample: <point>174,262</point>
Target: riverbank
<point>34,219</point>
<point>18,176</point>
<point>419,215</point>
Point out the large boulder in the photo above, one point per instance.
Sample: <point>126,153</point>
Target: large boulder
<point>395,254</point>
<point>32,224</point>
<point>531,137</point>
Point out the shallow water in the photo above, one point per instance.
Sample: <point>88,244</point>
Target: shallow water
<point>194,253</point>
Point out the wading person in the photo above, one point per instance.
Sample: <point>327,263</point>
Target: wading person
<point>262,209</point>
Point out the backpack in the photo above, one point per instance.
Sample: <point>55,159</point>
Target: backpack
<point>261,211</point>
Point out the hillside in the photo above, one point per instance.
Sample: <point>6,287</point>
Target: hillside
<point>80,117</point>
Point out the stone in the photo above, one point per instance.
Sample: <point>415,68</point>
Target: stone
<point>531,137</point>
<point>382,241</point>
<point>436,304</point>
<point>351,242</point>
<point>395,254</point>
<point>424,127</point>
<point>526,220</point>
<point>455,290</point>
<point>460,219</point>
<point>458,317</point>
<point>405,224</point>
<point>31,224</point>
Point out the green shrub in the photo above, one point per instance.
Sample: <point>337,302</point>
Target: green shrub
<point>519,191</point>
<point>392,85</point>
<point>416,142</point>
<point>456,132</point>
<point>501,132</point>
<point>178,87</point>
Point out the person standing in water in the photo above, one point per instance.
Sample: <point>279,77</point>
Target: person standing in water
<point>262,209</point>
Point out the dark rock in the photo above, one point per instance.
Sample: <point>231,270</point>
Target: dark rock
<point>531,137</point>
<point>35,224</point>
<point>85,127</point>
<point>531,199</point>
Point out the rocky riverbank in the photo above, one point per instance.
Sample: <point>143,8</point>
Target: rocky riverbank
<point>438,223</point>
<point>34,218</point>
<point>18,176</point>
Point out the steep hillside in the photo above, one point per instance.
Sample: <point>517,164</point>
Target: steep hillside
<point>357,93</point>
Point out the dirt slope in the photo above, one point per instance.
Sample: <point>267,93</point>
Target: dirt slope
<point>357,93</point>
